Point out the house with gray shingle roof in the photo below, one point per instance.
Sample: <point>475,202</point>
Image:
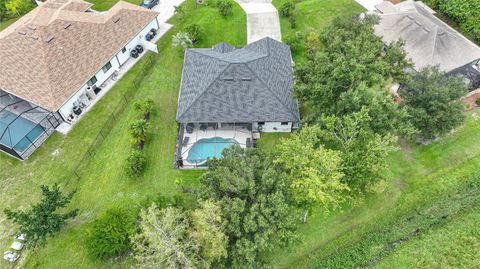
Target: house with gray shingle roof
<point>248,85</point>
<point>229,96</point>
<point>428,40</point>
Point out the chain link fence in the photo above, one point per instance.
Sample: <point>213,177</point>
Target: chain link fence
<point>111,121</point>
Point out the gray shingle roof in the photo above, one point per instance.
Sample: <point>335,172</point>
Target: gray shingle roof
<point>224,84</point>
<point>428,40</point>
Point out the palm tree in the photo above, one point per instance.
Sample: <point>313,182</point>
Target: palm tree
<point>138,130</point>
<point>144,106</point>
<point>182,39</point>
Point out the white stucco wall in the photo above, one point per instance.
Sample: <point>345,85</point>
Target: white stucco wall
<point>275,127</point>
<point>66,109</point>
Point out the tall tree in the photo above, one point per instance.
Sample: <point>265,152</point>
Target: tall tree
<point>354,65</point>
<point>313,172</point>
<point>42,220</point>
<point>208,231</point>
<point>433,102</point>
<point>364,152</point>
<point>163,240</point>
<point>254,202</point>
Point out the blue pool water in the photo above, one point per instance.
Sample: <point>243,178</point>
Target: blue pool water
<point>206,148</point>
<point>18,131</point>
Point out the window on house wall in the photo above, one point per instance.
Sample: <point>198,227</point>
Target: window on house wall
<point>106,67</point>
<point>92,81</point>
<point>261,123</point>
<point>285,123</point>
<point>124,50</point>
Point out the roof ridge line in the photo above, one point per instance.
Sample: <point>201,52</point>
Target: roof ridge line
<point>434,44</point>
<point>270,90</point>
<point>205,90</point>
<point>209,56</point>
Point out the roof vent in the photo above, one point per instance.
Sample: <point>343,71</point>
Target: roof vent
<point>116,19</point>
<point>34,37</point>
<point>418,23</point>
<point>410,17</point>
<point>426,29</point>
<point>49,39</point>
<point>67,25</point>
<point>441,33</point>
<point>22,33</point>
<point>246,79</point>
<point>32,27</point>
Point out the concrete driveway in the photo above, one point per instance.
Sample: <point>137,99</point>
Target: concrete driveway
<point>166,9</point>
<point>262,20</point>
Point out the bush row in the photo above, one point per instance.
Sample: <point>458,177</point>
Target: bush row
<point>138,130</point>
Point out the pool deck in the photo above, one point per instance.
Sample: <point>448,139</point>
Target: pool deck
<point>240,135</point>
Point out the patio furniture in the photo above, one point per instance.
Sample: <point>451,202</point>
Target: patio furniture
<point>17,245</point>
<point>11,256</point>
<point>203,126</point>
<point>190,128</point>
<point>185,141</point>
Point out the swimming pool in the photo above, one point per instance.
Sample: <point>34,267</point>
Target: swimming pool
<point>206,148</point>
<point>20,131</point>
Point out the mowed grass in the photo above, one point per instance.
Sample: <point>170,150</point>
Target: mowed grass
<point>104,184</point>
<point>454,245</point>
<point>313,16</point>
<point>418,176</point>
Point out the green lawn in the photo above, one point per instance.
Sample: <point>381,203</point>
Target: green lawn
<point>454,245</point>
<point>105,184</point>
<point>419,177</point>
<point>312,16</point>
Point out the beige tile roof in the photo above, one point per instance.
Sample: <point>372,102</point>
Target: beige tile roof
<point>47,55</point>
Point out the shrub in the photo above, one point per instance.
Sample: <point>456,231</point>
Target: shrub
<point>138,130</point>
<point>295,42</point>
<point>293,21</point>
<point>287,9</point>
<point>109,235</point>
<point>182,39</point>
<point>477,101</point>
<point>225,7</point>
<point>194,31</point>
<point>144,106</point>
<point>14,8</point>
<point>313,42</point>
<point>135,163</point>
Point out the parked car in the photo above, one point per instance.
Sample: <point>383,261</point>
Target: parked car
<point>149,3</point>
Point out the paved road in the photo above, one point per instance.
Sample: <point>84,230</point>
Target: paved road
<point>262,20</point>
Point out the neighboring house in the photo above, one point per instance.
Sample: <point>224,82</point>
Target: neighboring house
<point>428,40</point>
<point>53,61</point>
<point>233,95</point>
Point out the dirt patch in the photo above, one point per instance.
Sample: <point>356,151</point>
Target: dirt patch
<point>406,149</point>
<point>470,100</point>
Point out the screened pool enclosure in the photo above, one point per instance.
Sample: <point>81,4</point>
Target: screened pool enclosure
<point>24,126</point>
<point>199,142</point>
